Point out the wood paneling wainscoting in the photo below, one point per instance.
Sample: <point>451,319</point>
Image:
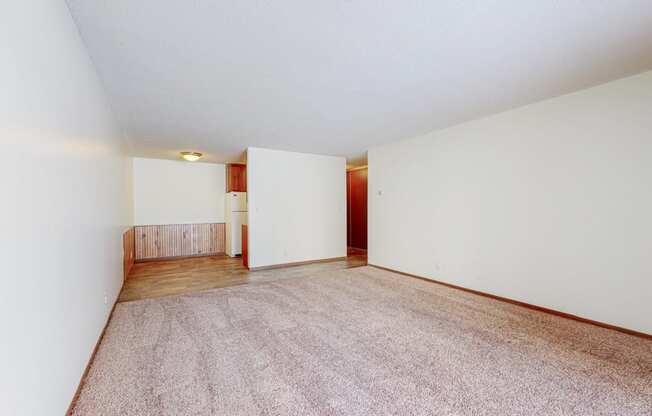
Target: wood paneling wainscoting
<point>178,240</point>
<point>128,250</point>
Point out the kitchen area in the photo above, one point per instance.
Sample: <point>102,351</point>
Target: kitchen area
<point>193,229</point>
<point>235,212</point>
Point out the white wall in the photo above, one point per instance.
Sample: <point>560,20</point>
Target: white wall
<point>178,192</point>
<point>297,207</point>
<point>64,206</point>
<point>549,204</point>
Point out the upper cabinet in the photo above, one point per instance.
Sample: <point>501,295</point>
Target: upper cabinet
<point>236,177</point>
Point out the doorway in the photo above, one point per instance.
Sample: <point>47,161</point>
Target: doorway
<point>356,208</point>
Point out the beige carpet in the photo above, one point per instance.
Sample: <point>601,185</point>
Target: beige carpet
<point>359,342</point>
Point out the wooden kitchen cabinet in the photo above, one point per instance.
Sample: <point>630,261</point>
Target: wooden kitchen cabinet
<point>236,177</point>
<point>245,246</point>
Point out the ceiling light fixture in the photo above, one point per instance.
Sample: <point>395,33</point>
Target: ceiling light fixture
<point>191,156</point>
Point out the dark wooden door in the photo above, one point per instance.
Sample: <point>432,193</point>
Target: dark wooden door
<point>356,193</point>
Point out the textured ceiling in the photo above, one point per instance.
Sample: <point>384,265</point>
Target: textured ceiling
<point>338,77</point>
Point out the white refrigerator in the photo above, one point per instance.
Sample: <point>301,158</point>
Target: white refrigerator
<point>236,215</point>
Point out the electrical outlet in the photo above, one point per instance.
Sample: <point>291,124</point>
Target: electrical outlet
<point>106,299</point>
